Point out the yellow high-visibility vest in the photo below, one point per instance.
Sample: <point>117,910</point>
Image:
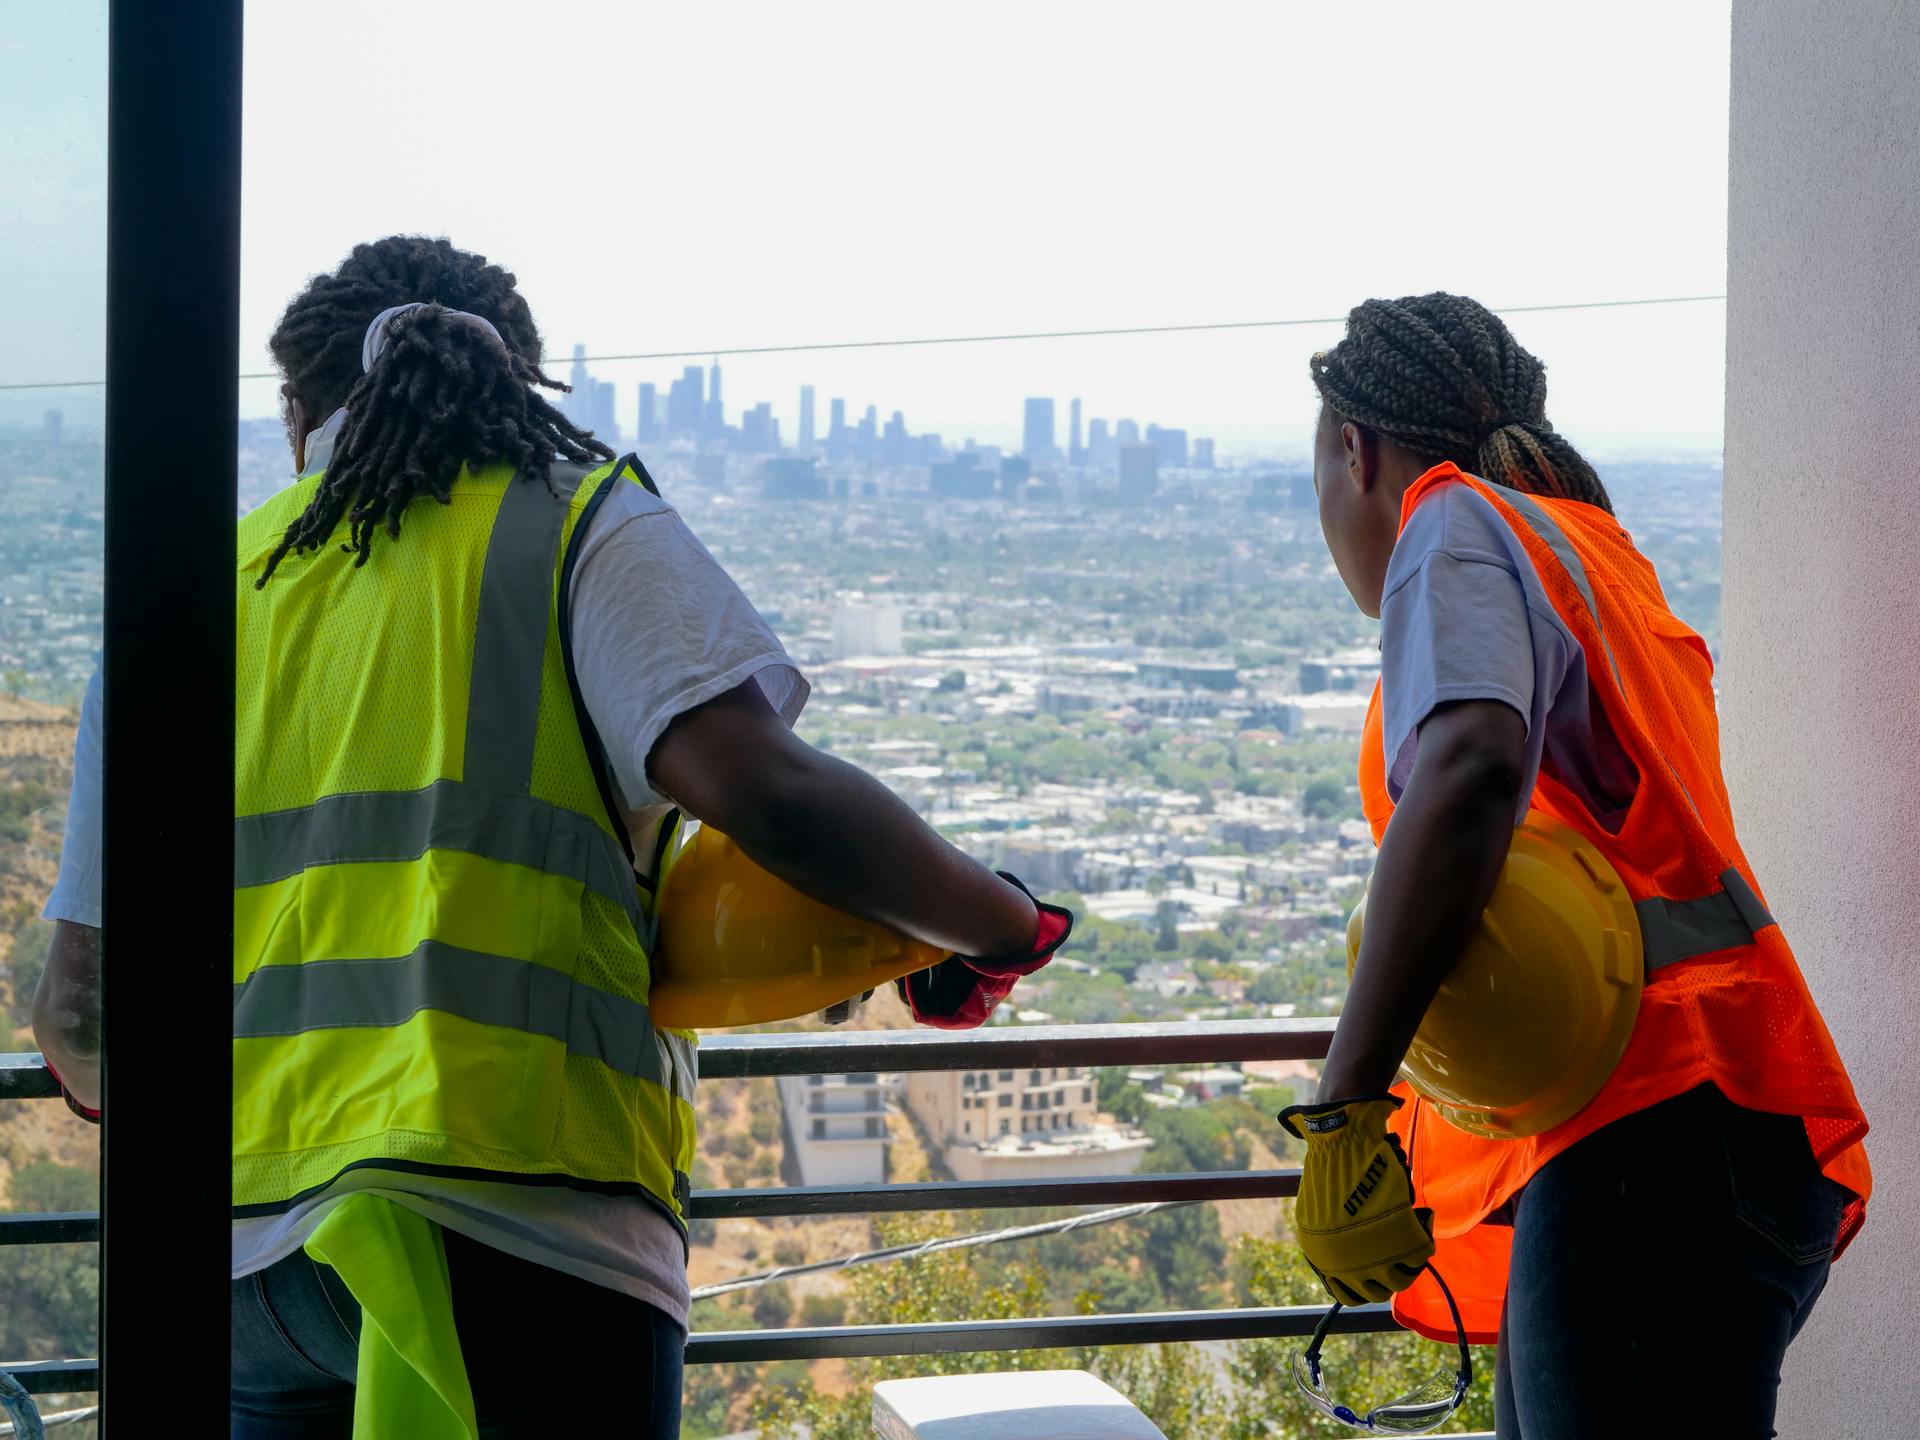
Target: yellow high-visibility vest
<point>440,947</point>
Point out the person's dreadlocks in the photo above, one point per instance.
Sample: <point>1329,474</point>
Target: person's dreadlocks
<point>1442,376</point>
<point>443,393</point>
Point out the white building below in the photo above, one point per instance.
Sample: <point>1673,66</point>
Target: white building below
<point>837,1126</point>
<point>863,627</point>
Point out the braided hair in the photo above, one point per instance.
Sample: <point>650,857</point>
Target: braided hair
<point>1442,376</point>
<point>443,393</point>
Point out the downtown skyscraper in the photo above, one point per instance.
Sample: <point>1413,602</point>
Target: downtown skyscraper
<point>1037,434</point>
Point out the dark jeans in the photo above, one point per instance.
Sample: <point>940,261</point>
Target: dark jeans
<point>1660,1269</point>
<point>546,1354</point>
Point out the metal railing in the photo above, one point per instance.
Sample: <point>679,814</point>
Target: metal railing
<point>739,1057</point>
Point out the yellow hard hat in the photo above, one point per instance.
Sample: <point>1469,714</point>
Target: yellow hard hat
<point>740,946</point>
<point>1531,1022</point>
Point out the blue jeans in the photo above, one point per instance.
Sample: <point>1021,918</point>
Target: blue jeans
<point>1661,1267</point>
<point>546,1354</point>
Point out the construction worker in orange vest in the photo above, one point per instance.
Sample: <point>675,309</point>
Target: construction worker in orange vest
<point>1645,1263</point>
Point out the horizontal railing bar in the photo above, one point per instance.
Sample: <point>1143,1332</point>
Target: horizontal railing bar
<point>26,1077</point>
<point>49,1229</point>
<point>845,1342</point>
<point>992,1194</point>
<point>1172,1042</point>
<point>56,1377</point>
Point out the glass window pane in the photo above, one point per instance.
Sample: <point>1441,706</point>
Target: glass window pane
<point>53,252</point>
<point>1066,597</point>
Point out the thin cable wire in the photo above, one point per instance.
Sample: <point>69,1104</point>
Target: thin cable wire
<point>920,1249</point>
<point>716,351</point>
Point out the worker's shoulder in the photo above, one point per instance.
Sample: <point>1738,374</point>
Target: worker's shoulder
<point>260,528</point>
<point>1458,521</point>
<point>630,493</point>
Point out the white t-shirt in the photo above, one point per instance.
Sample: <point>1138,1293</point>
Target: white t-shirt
<point>658,628</point>
<point>76,893</point>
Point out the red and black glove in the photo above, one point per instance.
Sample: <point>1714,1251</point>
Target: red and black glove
<point>961,991</point>
<point>92,1117</point>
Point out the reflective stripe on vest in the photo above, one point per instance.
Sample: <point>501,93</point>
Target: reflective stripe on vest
<point>1549,531</point>
<point>1675,930</point>
<point>515,829</point>
<point>487,989</point>
<point>1672,930</point>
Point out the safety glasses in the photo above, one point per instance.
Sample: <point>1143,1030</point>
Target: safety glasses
<point>1414,1413</point>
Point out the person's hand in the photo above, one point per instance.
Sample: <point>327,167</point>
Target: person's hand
<point>90,1114</point>
<point>961,991</point>
<point>1354,1217</point>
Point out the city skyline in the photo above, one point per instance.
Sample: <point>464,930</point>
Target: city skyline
<point>1074,208</point>
<point>694,412</point>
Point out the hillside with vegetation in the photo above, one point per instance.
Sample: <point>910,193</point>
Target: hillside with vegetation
<point>49,1158</point>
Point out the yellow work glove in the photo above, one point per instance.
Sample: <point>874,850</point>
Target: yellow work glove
<point>1354,1217</point>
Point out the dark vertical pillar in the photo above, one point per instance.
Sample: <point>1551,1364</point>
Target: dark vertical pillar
<point>173,283</point>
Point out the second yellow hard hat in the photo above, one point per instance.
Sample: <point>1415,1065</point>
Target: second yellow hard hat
<point>1538,1011</point>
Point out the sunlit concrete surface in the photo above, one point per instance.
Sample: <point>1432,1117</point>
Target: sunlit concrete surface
<point>1820,677</point>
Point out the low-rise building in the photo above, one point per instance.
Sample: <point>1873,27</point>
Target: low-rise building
<point>997,1124</point>
<point>837,1126</point>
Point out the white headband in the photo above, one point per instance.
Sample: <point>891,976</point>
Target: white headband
<point>376,340</point>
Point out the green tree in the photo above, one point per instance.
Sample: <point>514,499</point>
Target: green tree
<point>1098,999</point>
<point>706,1397</point>
<point>823,1310</point>
<point>52,1291</point>
<point>1324,798</point>
<point>1130,1105</point>
<point>1108,1081</point>
<point>1212,946</point>
<point>763,1125</point>
<point>1275,985</point>
<point>772,1307</point>
<point>1212,1136</point>
<point>1167,936</point>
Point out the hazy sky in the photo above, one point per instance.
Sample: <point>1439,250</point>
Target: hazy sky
<point>668,177</point>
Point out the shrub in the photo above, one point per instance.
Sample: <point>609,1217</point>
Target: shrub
<point>821,1310</point>
<point>772,1307</point>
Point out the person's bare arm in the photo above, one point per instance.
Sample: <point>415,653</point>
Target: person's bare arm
<point>66,1009</point>
<point>832,831</point>
<point>1437,867</point>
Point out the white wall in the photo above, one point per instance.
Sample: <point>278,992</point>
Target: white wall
<point>1821,670</point>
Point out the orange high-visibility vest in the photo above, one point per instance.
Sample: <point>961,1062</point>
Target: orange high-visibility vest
<point>1724,1001</point>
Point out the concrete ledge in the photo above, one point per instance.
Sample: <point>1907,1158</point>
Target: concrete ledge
<point>1020,1405</point>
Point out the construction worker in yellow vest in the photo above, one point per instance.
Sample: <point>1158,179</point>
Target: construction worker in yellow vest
<point>483,668</point>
